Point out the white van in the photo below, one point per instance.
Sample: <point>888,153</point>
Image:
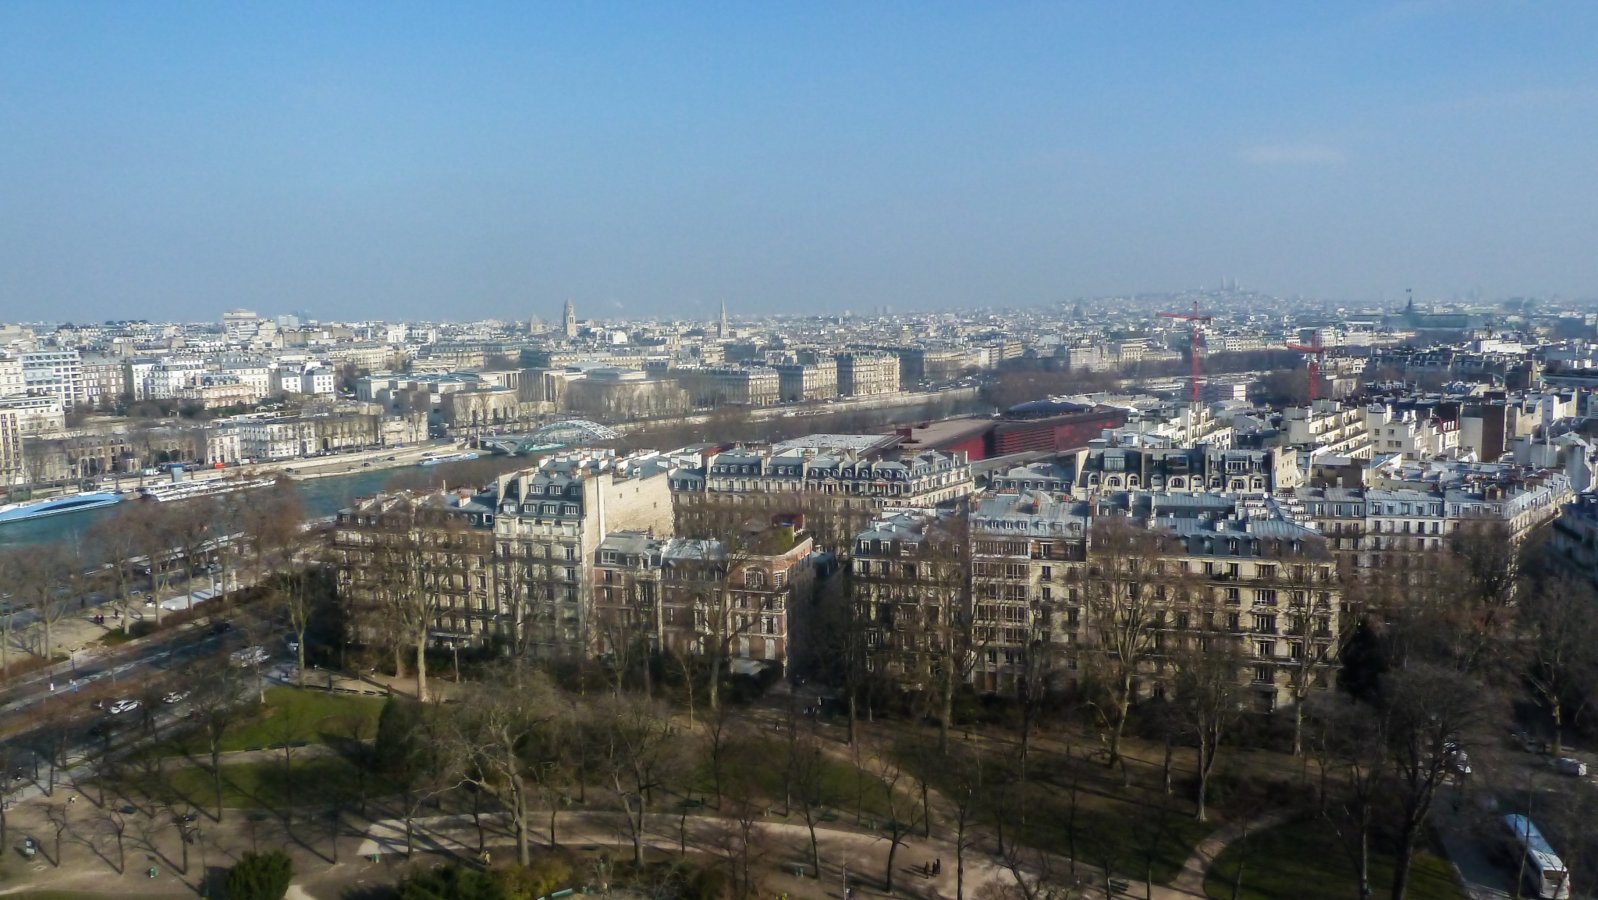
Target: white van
<point>1567,765</point>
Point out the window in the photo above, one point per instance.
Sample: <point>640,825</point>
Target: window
<point>1265,649</point>
<point>1266,624</point>
<point>1263,675</point>
<point>1265,596</point>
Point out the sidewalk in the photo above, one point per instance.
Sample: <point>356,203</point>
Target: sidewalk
<point>783,853</point>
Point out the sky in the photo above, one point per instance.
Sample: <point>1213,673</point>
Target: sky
<point>454,161</point>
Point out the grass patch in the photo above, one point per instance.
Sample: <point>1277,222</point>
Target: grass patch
<point>313,781</point>
<point>113,638</point>
<point>1136,832</point>
<point>854,796</point>
<point>305,716</point>
<point>291,715</point>
<point>1304,859</point>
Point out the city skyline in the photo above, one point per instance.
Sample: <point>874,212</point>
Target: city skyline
<point>395,161</point>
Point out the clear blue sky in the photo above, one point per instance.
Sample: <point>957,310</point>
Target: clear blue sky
<point>466,160</point>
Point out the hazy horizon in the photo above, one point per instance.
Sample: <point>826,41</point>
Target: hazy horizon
<point>410,161</point>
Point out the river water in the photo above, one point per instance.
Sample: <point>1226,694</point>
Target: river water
<point>321,496</point>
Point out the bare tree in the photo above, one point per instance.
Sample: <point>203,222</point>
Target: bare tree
<point>1208,701</point>
<point>214,703</point>
<point>49,579</point>
<point>1318,633</point>
<point>1426,709</point>
<point>12,568</point>
<point>117,536</point>
<point>407,561</point>
<point>487,738</point>
<point>154,535</point>
<point>118,827</point>
<point>728,582</point>
<point>1038,658</point>
<point>902,814</point>
<point>1126,611</point>
<point>965,795</point>
<point>743,838</point>
<point>1561,647</point>
<point>641,756</point>
<point>1350,738</point>
<point>810,787</point>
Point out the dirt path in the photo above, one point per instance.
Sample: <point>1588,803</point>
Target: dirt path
<point>1190,881</point>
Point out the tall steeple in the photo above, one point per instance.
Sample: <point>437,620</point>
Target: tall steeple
<point>571,320</point>
<point>721,324</point>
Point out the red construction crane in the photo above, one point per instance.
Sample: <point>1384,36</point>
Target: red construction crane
<point>1315,351</point>
<point>1197,321</point>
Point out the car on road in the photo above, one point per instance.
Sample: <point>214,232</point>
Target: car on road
<point>175,697</point>
<point>1569,765</point>
<point>293,645</point>
<point>122,706</point>
<point>250,656</point>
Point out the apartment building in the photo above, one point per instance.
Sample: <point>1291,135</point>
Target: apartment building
<point>523,570</point>
<point>1202,469</point>
<point>13,461</point>
<point>734,596</point>
<point>1409,433</point>
<point>839,491</point>
<point>104,382</point>
<point>424,552</point>
<point>1327,426</point>
<point>734,385</point>
<point>55,373</point>
<point>807,381</point>
<point>1371,524</point>
<point>1035,574</point>
<point>867,373</point>
<point>548,523</point>
<point>35,414</point>
<point>217,392</point>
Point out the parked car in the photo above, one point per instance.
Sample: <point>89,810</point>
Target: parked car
<point>175,697</point>
<point>250,656</point>
<point>122,706</point>
<point>1568,765</point>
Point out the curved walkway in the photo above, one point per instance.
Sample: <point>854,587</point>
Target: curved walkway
<point>1190,881</point>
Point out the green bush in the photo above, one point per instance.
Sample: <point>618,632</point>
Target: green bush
<point>259,876</point>
<point>540,878</point>
<point>452,882</point>
<point>706,884</point>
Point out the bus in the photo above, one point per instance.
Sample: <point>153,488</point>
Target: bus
<point>1541,871</point>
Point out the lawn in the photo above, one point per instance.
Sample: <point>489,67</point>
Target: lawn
<point>305,716</point>
<point>1305,860</point>
<point>291,715</point>
<point>847,796</point>
<point>315,780</point>
<point>1135,832</point>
